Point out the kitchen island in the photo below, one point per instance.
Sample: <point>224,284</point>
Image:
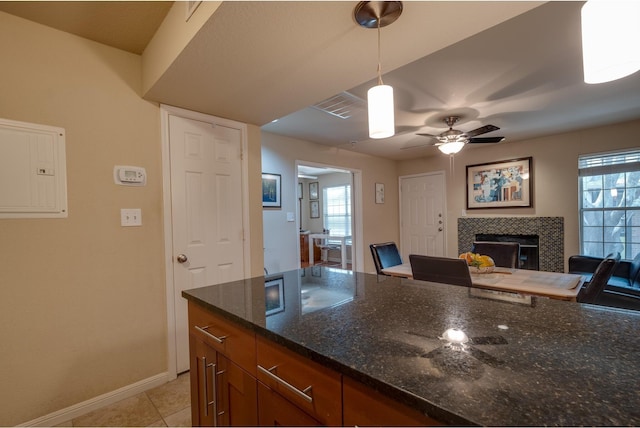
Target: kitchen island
<point>536,362</point>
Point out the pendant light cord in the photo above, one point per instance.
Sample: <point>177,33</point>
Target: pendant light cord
<point>379,62</point>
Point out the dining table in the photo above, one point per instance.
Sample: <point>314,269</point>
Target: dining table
<point>324,237</point>
<point>555,285</point>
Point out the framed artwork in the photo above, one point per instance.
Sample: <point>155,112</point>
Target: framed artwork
<point>300,193</point>
<point>502,184</point>
<point>313,190</point>
<point>271,185</point>
<point>379,193</point>
<point>315,209</point>
<point>274,295</point>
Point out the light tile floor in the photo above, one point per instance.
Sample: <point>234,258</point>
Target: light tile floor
<point>167,405</point>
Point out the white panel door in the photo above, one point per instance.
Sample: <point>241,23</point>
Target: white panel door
<point>422,228</point>
<point>206,200</point>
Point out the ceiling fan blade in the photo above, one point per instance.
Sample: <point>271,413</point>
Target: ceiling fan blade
<point>417,146</point>
<point>486,140</point>
<point>481,130</point>
<point>427,135</point>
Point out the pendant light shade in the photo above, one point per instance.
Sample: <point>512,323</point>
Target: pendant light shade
<point>380,106</point>
<point>378,14</point>
<point>610,38</point>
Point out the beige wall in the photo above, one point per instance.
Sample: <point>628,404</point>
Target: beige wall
<point>555,172</point>
<point>380,221</point>
<point>83,299</point>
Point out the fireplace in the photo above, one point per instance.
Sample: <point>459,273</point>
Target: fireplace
<point>550,232</point>
<point>528,247</point>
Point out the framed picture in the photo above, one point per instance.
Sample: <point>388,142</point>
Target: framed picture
<point>503,184</point>
<point>315,209</point>
<point>274,295</point>
<point>271,190</point>
<point>300,193</point>
<point>379,193</point>
<point>313,190</point>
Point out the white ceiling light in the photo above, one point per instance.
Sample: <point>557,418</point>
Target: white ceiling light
<point>378,14</point>
<point>610,38</point>
<point>452,147</point>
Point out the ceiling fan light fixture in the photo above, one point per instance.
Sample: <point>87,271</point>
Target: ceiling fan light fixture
<point>378,14</point>
<point>451,148</point>
<point>610,38</point>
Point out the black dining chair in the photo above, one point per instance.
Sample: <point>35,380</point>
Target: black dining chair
<point>385,255</point>
<point>440,269</point>
<point>504,254</point>
<point>591,290</point>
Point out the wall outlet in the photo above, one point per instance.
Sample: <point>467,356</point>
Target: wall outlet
<point>130,217</point>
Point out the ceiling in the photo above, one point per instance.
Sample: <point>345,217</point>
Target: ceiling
<point>513,64</point>
<point>126,25</point>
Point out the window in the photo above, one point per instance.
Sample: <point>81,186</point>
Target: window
<point>337,210</point>
<point>609,186</point>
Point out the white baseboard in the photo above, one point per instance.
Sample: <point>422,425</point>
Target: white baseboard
<point>95,403</point>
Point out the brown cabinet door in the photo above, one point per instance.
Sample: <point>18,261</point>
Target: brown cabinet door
<point>237,395</point>
<point>203,373</point>
<point>222,394</point>
<point>274,410</point>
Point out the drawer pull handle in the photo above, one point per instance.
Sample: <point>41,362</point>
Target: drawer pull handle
<point>205,332</point>
<point>304,394</point>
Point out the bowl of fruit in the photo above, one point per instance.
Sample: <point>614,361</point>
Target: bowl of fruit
<point>478,263</point>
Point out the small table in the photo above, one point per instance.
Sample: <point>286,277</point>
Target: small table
<point>555,285</point>
<point>343,246</point>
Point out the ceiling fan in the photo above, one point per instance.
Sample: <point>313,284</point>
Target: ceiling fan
<point>452,140</point>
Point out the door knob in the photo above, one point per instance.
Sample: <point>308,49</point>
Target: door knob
<point>181,258</point>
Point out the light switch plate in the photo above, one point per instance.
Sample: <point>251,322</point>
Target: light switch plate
<point>131,217</point>
<point>291,216</point>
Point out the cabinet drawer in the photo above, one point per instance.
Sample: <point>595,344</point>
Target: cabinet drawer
<point>236,343</point>
<point>310,386</point>
<point>365,407</point>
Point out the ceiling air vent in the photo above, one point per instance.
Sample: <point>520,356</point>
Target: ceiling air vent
<point>344,105</point>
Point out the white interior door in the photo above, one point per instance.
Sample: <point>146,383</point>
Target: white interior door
<point>207,220</point>
<point>422,210</point>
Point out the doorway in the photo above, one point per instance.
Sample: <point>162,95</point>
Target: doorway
<point>204,190</point>
<point>423,215</point>
<point>327,216</point>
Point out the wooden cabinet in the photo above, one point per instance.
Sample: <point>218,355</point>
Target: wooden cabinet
<point>304,247</point>
<point>222,392</point>
<point>365,407</point>
<point>305,384</point>
<point>274,410</point>
<point>226,337</point>
<point>238,379</point>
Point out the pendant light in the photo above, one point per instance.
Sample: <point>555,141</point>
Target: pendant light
<point>372,14</point>
<point>610,38</point>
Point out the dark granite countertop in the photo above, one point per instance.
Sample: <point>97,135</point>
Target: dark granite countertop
<point>544,363</point>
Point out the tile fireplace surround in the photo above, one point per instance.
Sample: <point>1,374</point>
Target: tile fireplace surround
<point>549,229</point>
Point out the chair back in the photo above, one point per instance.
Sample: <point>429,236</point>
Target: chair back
<point>504,254</point>
<point>440,269</point>
<point>590,291</point>
<point>385,255</point>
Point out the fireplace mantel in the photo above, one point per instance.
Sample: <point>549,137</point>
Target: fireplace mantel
<point>549,229</point>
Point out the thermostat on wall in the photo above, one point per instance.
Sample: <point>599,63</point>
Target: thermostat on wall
<point>129,175</point>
